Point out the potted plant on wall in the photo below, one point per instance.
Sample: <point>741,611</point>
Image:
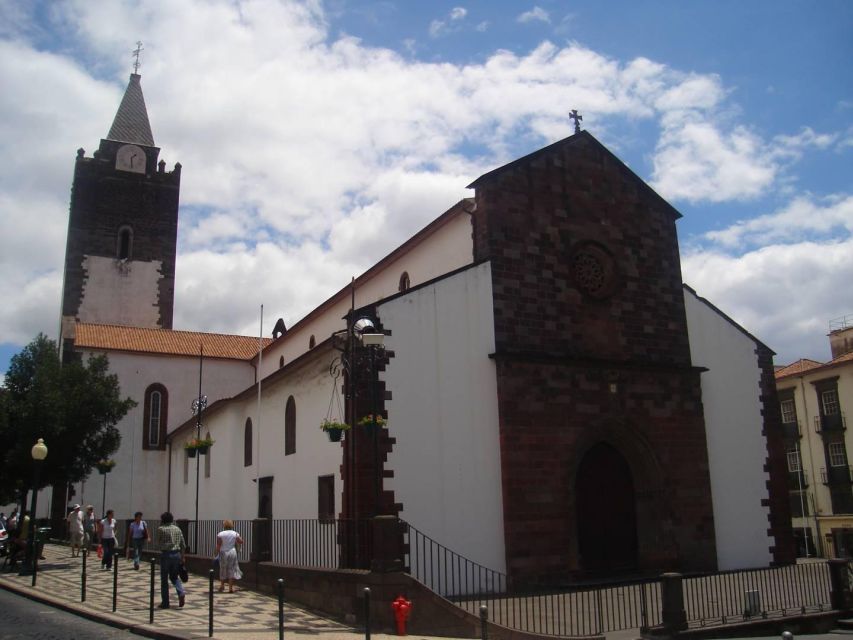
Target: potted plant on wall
<point>198,445</point>
<point>368,421</point>
<point>334,429</point>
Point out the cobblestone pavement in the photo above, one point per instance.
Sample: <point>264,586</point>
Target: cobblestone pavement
<point>244,614</point>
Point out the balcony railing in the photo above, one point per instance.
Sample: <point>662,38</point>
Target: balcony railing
<point>791,430</point>
<point>837,475</point>
<point>797,480</point>
<point>834,423</point>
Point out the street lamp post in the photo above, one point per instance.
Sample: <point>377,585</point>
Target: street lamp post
<point>198,406</point>
<point>39,453</point>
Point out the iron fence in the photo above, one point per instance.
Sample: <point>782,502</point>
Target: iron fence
<point>578,610</point>
<point>734,596</point>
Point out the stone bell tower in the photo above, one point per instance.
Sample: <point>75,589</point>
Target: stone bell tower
<point>122,228</point>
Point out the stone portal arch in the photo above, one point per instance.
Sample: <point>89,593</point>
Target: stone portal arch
<point>614,466</point>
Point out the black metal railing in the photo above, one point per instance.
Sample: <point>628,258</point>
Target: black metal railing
<point>735,596</point>
<point>836,475</point>
<point>833,423</point>
<point>791,430</point>
<point>207,530</point>
<point>586,609</point>
<point>578,610</point>
<point>322,543</point>
<point>797,480</point>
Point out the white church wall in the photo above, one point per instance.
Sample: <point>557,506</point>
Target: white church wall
<point>230,491</point>
<point>139,480</point>
<point>444,414</point>
<point>447,248</point>
<point>733,423</point>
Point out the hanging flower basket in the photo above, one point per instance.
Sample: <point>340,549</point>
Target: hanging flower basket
<point>334,429</point>
<point>198,445</point>
<point>105,466</point>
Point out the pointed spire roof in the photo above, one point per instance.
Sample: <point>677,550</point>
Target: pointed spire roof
<point>131,121</point>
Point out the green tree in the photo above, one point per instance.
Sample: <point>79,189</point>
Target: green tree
<point>74,406</point>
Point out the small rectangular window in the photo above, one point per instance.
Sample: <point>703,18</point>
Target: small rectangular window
<point>789,411</point>
<point>326,497</point>
<point>829,400</point>
<point>837,454</point>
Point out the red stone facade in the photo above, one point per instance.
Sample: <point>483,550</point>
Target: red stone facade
<point>784,549</point>
<point>591,348</point>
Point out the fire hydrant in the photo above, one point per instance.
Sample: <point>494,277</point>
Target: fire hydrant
<point>402,608</point>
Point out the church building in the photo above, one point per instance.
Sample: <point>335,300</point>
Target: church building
<point>554,402</point>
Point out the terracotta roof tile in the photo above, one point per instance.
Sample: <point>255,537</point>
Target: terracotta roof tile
<point>845,357</point>
<point>800,366</point>
<point>166,341</point>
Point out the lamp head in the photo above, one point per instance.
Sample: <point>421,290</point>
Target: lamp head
<point>39,450</point>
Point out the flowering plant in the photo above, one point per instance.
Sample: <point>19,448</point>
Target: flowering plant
<point>367,421</point>
<point>199,443</point>
<point>105,465</point>
<point>327,425</point>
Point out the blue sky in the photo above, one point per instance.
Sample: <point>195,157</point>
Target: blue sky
<point>305,128</point>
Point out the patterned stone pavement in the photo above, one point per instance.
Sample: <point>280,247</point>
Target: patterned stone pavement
<point>244,614</point>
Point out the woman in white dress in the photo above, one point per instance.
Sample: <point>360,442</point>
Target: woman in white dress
<point>226,548</point>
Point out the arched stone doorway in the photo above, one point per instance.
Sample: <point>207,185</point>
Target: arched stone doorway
<point>606,512</point>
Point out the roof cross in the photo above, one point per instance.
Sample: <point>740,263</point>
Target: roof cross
<point>135,54</point>
<point>574,115</point>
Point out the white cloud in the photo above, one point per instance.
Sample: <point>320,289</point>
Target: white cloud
<point>802,217</point>
<point>694,161</point>
<point>457,13</point>
<point>449,24</point>
<point>536,14</point>
<point>782,275</point>
<point>785,294</point>
<point>292,139</point>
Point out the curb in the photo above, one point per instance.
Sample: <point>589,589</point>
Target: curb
<point>114,621</point>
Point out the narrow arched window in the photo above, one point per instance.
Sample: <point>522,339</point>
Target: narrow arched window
<point>404,282</point>
<point>207,457</point>
<point>154,417</point>
<point>280,362</point>
<point>312,342</point>
<point>247,443</point>
<point>290,427</point>
<point>124,248</point>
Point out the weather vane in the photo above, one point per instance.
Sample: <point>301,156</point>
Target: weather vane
<point>574,115</point>
<point>136,53</point>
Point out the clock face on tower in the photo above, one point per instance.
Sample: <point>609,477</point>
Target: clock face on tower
<point>130,158</point>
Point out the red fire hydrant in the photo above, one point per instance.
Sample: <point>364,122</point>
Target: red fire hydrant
<point>402,608</point>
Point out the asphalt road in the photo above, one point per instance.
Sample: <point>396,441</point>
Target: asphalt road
<point>24,618</point>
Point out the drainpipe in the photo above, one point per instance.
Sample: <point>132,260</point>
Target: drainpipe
<point>818,539</point>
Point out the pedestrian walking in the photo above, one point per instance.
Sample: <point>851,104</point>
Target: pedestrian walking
<point>75,529</point>
<point>90,527</point>
<point>137,536</point>
<point>227,542</point>
<point>170,541</point>
<point>107,532</point>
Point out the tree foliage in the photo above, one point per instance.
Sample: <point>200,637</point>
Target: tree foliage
<point>73,406</point>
